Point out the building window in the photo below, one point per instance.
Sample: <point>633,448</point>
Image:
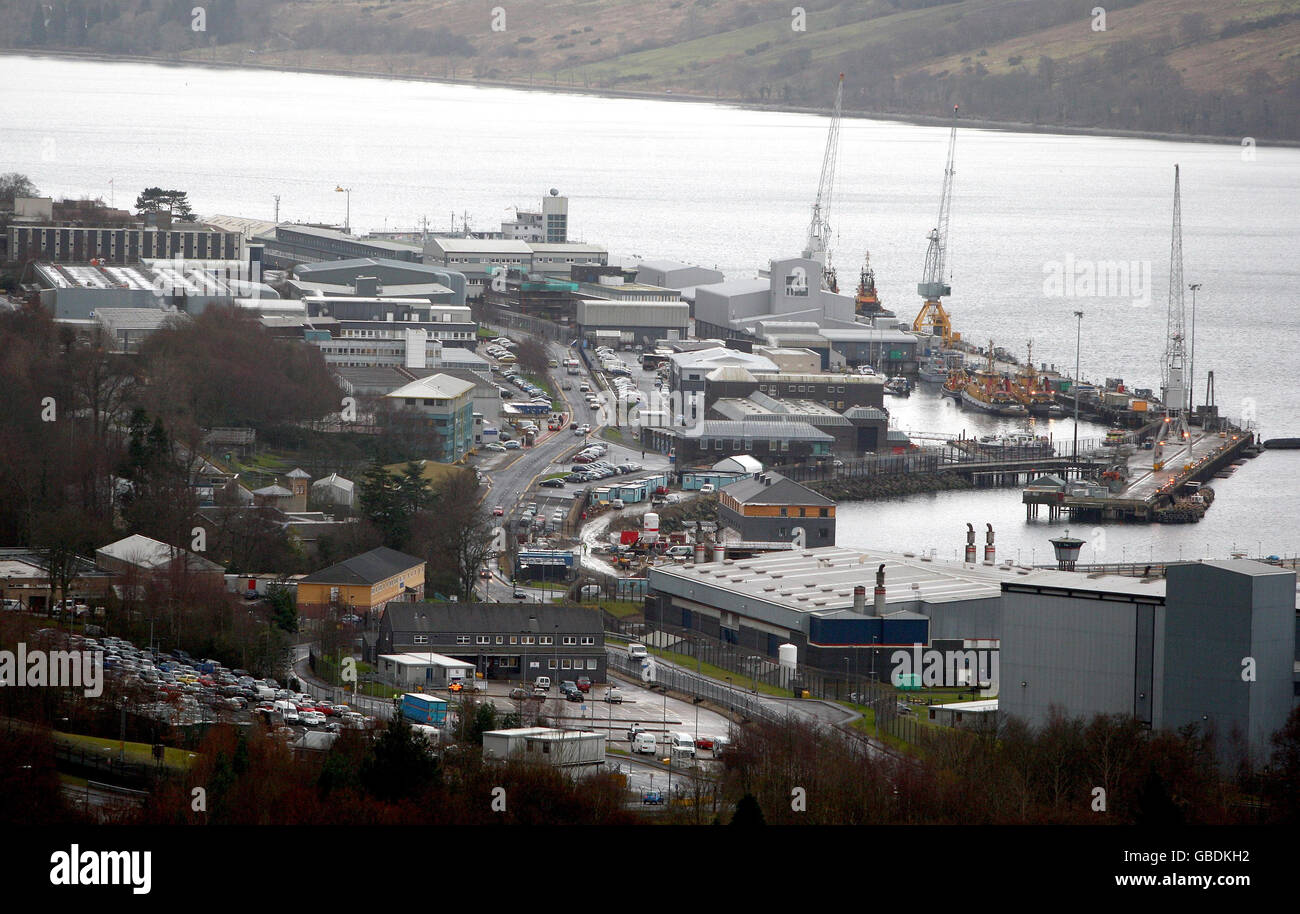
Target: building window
<point>514,639</point>
<point>784,512</point>
<point>529,639</point>
<point>588,639</point>
<point>421,639</point>
<point>823,512</point>
<point>482,639</point>
<point>500,640</point>
<point>462,639</point>
<point>565,664</point>
<point>592,664</point>
<point>570,639</point>
<point>550,664</point>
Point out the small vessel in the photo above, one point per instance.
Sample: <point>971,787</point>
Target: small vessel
<point>955,384</point>
<point>898,386</point>
<point>867,301</point>
<point>935,370</point>
<point>1033,392</point>
<point>988,391</point>
<point>1022,443</point>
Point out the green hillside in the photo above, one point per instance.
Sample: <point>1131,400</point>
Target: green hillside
<point>1221,67</point>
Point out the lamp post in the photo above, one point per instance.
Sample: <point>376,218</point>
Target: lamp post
<point>347,218</point>
<point>1078,348</point>
<point>1191,362</point>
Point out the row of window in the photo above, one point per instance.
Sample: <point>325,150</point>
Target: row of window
<point>567,640</point>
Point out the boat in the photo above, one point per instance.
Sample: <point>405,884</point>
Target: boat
<point>867,301</point>
<point>955,384</point>
<point>935,370</point>
<point>1033,391</point>
<point>898,386</point>
<point>1022,443</point>
<point>988,391</point>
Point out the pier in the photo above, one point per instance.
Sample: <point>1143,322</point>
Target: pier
<point>1141,487</point>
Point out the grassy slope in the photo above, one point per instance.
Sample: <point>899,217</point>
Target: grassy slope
<point>696,58</point>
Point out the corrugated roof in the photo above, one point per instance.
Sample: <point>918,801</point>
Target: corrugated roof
<point>780,491</point>
<point>757,428</point>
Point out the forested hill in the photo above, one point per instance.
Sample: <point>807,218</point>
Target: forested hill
<point>1222,67</point>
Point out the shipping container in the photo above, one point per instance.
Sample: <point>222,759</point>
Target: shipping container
<point>424,709</point>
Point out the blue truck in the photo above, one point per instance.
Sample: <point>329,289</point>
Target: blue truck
<point>424,709</point>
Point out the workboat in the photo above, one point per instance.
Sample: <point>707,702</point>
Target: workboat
<point>866,304</point>
<point>988,391</point>
<point>1022,443</point>
<point>899,386</point>
<point>955,384</point>
<point>935,370</point>
<point>1033,392</point>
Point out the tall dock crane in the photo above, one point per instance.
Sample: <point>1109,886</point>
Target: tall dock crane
<point>819,230</point>
<point>932,317</point>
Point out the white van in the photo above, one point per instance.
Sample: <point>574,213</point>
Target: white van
<point>645,742</point>
<point>543,683</point>
<point>682,744</point>
<point>637,651</point>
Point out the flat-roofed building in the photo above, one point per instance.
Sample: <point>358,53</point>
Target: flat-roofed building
<point>69,242</point>
<point>290,245</point>
<point>479,259</point>
<point>625,323</point>
<point>378,276</point>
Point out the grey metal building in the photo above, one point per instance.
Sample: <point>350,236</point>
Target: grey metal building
<point>1213,644</point>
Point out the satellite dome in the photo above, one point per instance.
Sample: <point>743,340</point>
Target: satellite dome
<point>554,192</point>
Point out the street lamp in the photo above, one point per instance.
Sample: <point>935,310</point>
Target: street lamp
<point>347,219</point>
<point>1078,348</point>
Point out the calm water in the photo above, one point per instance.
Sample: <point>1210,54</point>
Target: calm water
<point>728,187</point>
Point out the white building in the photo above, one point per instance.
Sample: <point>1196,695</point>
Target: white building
<point>571,749</point>
<point>334,489</point>
<point>426,670</point>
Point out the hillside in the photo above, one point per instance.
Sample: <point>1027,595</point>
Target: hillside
<point>1220,67</point>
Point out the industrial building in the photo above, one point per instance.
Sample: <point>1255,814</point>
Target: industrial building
<point>378,276</point>
<point>680,277</point>
<point>287,246</point>
<point>128,243</point>
<point>1212,644</point>
<point>790,290</point>
<point>709,440</point>
<point>504,641</point>
<point>769,508</point>
<point>362,317</point>
<point>624,323</point>
<point>857,431</point>
<point>76,291</point>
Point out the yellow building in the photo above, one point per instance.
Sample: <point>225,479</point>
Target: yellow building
<point>363,583</point>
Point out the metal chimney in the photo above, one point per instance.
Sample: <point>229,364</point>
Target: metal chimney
<point>860,600</point>
<point>990,553</point>
<point>700,553</point>
<point>970,544</point>
<point>880,590</point>
<point>719,552</point>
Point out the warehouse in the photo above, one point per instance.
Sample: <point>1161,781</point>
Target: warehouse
<point>821,600</point>
<point>379,276</point>
<point>1170,652</point>
<point>632,323</point>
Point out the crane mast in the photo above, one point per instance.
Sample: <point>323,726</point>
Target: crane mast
<point>1174,392</point>
<point>819,229</point>
<point>932,317</point>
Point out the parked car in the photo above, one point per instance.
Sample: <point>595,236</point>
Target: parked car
<point>552,483</point>
<point>583,683</point>
<point>519,694</point>
<point>498,511</point>
<point>614,696</point>
<point>495,447</point>
<point>512,445</point>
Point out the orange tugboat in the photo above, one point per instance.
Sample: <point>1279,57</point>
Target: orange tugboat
<point>1033,392</point>
<point>989,392</point>
<point>867,301</point>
